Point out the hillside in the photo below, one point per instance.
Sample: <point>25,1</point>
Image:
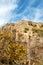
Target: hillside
<point>27,35</point>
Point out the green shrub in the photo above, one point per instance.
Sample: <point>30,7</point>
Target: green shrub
<point>38,31</point>
<point>26,29</point>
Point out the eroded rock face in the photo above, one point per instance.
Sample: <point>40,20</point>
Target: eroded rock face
<point>29,33</point>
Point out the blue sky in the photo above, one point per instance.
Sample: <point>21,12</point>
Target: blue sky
<point>15,10</point>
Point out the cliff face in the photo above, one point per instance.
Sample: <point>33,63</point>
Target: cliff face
<point>26,32</point>
<point>23,29</point>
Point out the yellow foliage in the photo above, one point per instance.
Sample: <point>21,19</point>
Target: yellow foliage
<point>8,34</point>
<point>13,51</point>
<point>8,57</point>
<point>1,33</point>
<point>17,51</point>
<point>8,49</point>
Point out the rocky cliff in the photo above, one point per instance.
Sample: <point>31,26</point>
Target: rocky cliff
<point>28,33</point>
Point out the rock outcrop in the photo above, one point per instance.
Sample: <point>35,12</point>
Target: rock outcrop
<point>28,33</point>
